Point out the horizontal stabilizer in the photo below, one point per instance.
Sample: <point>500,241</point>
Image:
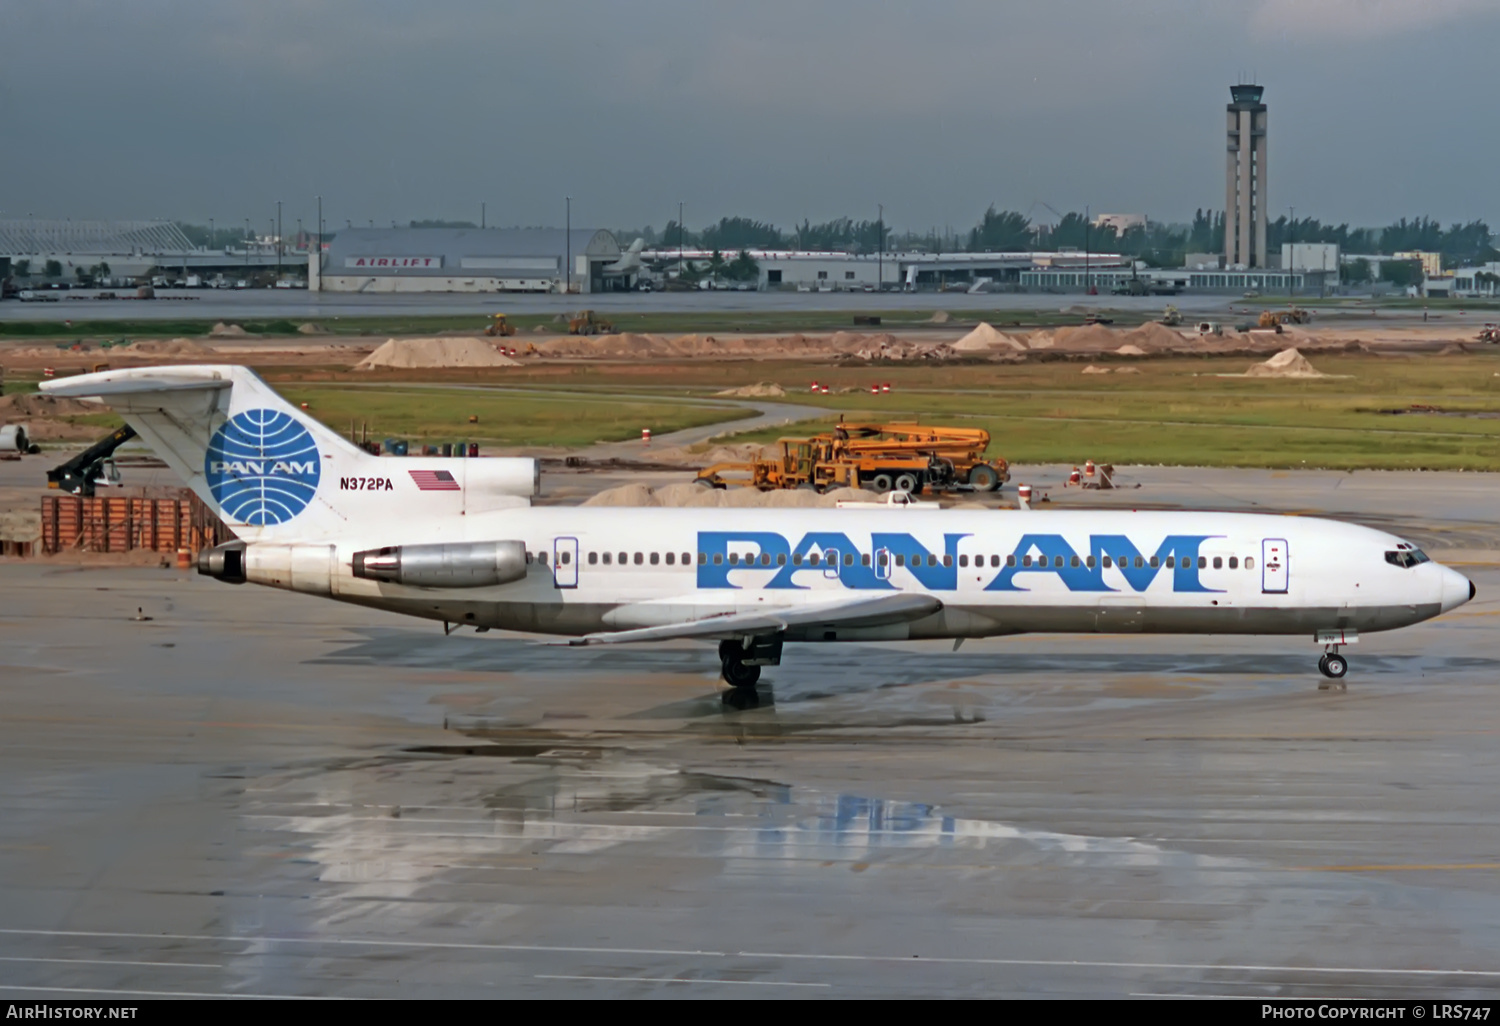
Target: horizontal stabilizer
<point>849,613</point>
<point>90,385</point>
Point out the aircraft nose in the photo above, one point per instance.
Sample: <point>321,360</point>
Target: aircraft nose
<point>1457,589</point>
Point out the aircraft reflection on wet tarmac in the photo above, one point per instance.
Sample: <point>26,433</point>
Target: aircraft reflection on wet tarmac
<point>572,807</point>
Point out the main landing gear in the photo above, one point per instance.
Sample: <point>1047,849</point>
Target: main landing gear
<point>741,662</point>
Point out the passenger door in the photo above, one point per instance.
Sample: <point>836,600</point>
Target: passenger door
<point>565,562</point>
<point>1275,570</point>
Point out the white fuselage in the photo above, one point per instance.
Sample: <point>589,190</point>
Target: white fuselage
<point>610,569</point>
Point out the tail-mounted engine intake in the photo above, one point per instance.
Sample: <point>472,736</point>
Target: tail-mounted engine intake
<point>224,562</point>
<point>462,565</point>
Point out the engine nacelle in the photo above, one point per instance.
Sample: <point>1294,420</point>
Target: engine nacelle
<point>224,562</point>
<point>512,476</point>
<point>459,565</point>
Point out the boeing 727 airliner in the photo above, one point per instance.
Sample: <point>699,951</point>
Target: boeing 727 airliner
<point>458,541</point>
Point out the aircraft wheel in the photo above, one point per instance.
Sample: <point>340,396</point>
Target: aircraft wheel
<point>738,675</point>
<point>881,483</point>
<point>908,483</point>
<point>1333,665</point>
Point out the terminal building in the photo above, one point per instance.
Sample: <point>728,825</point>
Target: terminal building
<point>471,260</point>
<point>820,271</point>
<point>130,249</point>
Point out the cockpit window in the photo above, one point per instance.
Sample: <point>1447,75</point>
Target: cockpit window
<point>1406,557</point>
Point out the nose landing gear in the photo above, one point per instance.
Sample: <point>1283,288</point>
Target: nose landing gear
<point>1332,665</point>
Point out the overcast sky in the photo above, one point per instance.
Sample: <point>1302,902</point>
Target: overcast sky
<point>778,110</point>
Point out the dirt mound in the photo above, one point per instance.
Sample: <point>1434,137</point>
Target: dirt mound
<point>222,330</point>
<point>1087,338</point>
<point>626,345</point>
<point>986,337</point>
<point>435,352</point>
<point>1039,340</point>
<point>1091,369</point>
<point>174,347</point>
<point>624,495</point>
<point>1127,370</point>
<point>940,317</point>
<point>1289,363</point>
<point>1129,350</point>
<point>34,405</point>
<point>718,454</point>
<point>685,493</point>
<point>311,329</point>
<point>888,347</point>
<point>761,390</point>
<point>689,494</point>
<point>1153,337</point>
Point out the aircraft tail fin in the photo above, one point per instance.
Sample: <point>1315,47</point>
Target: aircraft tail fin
<point>256,460</point>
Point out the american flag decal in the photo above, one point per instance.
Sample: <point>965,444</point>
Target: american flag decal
<point>434,480</point>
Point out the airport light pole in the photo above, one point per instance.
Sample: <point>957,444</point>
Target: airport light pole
<point>320,243</point>
<point>481,214</point>
<point>880,258</point>
<point>278,239</point>
<point>568,245</point>
<point>680,243</point>
<point>1086,282</point>
<point>248,236</point>
<point>1291,253</point>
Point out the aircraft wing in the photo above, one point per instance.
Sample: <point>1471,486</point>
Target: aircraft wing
<point>852,612</point>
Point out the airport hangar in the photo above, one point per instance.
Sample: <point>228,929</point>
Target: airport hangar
<point>467,260</point>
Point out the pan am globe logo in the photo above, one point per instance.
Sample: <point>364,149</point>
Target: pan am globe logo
<point>262,467</point>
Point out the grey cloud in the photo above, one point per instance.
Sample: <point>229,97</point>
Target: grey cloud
<point>776,110</point>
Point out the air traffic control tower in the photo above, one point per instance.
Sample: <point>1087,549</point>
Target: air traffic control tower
<point>1245,181</point>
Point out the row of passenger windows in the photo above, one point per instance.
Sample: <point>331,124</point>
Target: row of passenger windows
<point>900,559</point>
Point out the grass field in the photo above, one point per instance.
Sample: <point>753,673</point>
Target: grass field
<point>1178,411</point>
<point>433,416</point>
<point>1182,412</point>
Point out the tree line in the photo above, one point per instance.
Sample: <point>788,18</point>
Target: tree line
<point>1161,245</point>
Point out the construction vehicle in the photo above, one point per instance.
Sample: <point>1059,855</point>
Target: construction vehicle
<point>1276,318</point>
<point>878,457</point>
<point>585,323</point>
<point>500,327</point>
<point>1171,316</point>
<point>1490,333</point>
<point>92,467</point>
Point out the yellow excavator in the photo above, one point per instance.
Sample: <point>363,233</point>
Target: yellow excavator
<point>500,327</point>
<point>1276,318</point>
<point>585,323</point>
